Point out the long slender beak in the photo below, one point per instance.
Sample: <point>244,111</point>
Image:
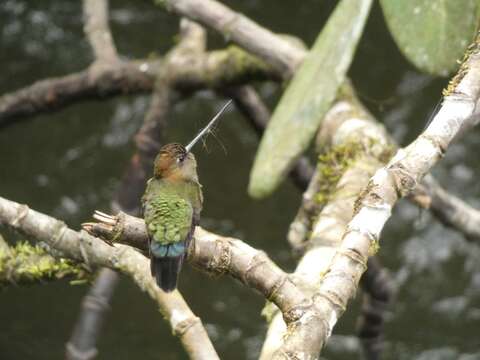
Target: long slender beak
<point>207,128</point>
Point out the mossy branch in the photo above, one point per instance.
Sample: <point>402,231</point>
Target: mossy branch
<point>26,264</point>
<point>344,167</point>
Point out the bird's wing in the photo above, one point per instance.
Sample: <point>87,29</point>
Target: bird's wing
<point>197,203</point>
<point>168,218</point>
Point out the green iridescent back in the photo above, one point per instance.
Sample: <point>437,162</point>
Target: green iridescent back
<point>171,210</point>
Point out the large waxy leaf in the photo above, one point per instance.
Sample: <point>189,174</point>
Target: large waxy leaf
<point>432,34</point>
<point>308,97</point>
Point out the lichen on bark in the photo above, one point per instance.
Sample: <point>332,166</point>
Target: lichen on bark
<point>25,264</point>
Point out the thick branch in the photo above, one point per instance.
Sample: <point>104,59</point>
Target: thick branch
<point>251,105</point>
<point>82,247</point>
<point>356,147</point>
<point>214,254</point>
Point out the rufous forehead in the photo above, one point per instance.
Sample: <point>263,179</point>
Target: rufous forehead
<point>165,159</point>
<point>173,150</point>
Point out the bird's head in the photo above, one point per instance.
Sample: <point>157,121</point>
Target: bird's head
<point>176,162</point>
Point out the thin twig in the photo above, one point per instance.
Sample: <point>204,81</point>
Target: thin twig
<point>449,209</point>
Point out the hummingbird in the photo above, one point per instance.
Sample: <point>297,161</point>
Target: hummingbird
<point>171,204</point>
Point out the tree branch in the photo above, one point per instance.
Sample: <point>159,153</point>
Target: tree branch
<point>449,209</point>
<point>97,30</point>
<point>283,56</point>
<point>83,342</point>
<point>56,93</point>
<point>84,248</point>
<point>348,161</point>
<point>376,283</point>
<point>398,178</point>
<point>378,292</point>
<point>212,70</point>
<point>213,254</point>
<point>25,264</point>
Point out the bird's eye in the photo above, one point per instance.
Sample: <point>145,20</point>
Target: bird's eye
<point>180,159</point>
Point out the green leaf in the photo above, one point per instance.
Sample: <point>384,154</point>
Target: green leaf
<point>308,97</point>
<point>432,34</point>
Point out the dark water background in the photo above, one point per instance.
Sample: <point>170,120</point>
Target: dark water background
<point>69,163</point>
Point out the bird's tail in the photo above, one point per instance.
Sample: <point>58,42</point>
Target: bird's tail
<point>165,269</point>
